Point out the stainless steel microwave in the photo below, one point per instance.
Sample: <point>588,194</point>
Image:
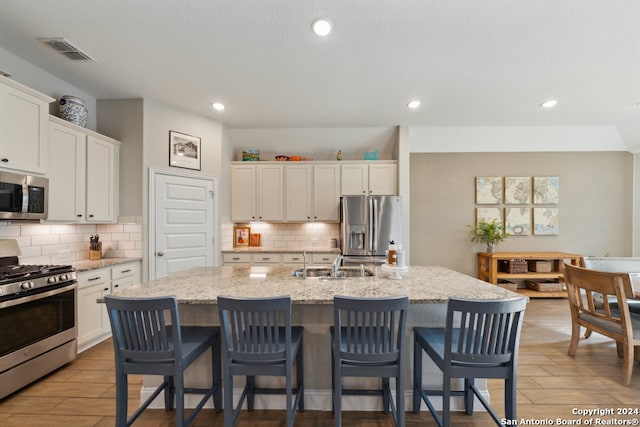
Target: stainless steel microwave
<point>23,196</point>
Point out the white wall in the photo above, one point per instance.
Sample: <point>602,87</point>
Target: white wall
<point>471,139</point>
<point>42,81</point>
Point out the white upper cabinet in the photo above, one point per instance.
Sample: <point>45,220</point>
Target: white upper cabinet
<point>83,175</point>
<point>257,193</point>
<point>377,178</point>
<point>24,114</point>
<point>313,192</point>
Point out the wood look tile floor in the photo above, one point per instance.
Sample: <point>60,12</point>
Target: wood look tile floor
<point>551,385</point>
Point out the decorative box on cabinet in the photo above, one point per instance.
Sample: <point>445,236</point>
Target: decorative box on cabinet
<point>488,269</point>
<point>83,174</point>
<point>24,113</point>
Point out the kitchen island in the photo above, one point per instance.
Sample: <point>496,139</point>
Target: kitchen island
<point>428,289</point>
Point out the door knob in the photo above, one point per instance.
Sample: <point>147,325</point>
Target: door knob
<point>160,253</point>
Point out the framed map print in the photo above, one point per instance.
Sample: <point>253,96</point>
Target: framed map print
<point>488,190</point>
<point>487,215</point>
<point>517,221</point>
<point>546,190</point>
<point>517,190</point>
<point>546,221</point>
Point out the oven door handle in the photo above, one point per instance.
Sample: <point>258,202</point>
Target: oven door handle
<point>34,297</point>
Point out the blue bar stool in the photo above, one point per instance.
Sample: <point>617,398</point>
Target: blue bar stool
<point>258,339</point>
<point>145,343</point>
<point>480,340</point>
<point>368,341</point>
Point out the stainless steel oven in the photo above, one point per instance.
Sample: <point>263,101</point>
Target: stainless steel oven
<point>38,323</point>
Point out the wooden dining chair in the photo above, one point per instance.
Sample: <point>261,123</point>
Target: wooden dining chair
<point>598,302</point>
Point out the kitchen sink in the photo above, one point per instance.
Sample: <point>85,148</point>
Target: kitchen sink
<point>325,273</point>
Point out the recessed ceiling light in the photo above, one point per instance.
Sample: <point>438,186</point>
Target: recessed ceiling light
<point>413,104</point>
<point>549,104</point>
<point>321,26</point>
<point>218,106</point>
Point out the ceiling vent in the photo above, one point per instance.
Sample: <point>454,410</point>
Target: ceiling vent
<point>66,48</point>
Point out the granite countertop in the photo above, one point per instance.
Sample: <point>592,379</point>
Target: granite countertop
<point>281,250</point>
<point>202,285</point>
<point>85,264</point>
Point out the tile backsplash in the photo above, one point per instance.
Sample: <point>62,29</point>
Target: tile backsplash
<point>287,236</point>
<point>64,243</point>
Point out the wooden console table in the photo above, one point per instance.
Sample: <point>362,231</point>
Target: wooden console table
<point>489,272</point>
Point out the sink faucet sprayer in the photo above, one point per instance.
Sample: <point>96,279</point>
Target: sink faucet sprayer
<point>304,265</point>
<point>336,265</point>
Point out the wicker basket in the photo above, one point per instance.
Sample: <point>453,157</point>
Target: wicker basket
<point>507,284</point>
<point>513,266</point>
<point>540,266</point>
<point>544,285</point>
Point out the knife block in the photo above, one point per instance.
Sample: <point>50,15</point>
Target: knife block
<point>95,251</point>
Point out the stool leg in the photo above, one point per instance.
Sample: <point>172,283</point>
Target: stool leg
<point>169,393</point>
<point>251,393</point>
<point>417,376</point>
<point>510,393</point>
<point>229,409</point>
<point>468,395</point>
<point>217,375</point>
<point>386,391</point>
<point>446,402</point>
<point>300,376</point>
<point>179,395</point>
<point>337,393</point>
<point>400,396</point>
<point>122,398</point>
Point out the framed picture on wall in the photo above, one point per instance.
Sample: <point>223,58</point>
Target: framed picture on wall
<point>518,221</point>
<point>241,236</point>
<point>546,190</point>
<point>184,150</point>
<point>517,190</point>
<point>546,221</point>
<point>487,215</point>
<point>488,190</point>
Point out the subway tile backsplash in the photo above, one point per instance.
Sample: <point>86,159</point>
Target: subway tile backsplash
<point>287,236</point>
<point>64,243</point>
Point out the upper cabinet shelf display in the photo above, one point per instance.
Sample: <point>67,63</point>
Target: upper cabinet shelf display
<point>304,191</point>
<point>24,114</point>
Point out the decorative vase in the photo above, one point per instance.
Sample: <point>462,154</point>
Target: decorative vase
<point>72,109</point>
<point>491,248</point>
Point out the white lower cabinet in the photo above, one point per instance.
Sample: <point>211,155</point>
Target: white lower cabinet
<point>93,321</point>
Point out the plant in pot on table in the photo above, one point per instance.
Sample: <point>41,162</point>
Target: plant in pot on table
<point>490,233</point>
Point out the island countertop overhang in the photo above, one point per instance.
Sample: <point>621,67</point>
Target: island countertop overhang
<point>423,285</point>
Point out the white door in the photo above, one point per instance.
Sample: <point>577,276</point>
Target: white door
<point>182,230</point>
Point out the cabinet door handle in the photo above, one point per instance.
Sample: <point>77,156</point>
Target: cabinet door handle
<point>79,215</point>
<point>115,286</point>
<point>93,278</point>
<point>106,289</point>
<point>296,258</point>
<point>266,258</point>
<point>90,215</point>
<point>5,160</point>
<point>236,258</point>
<point>125,271</point>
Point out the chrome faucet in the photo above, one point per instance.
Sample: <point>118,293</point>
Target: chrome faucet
<point>336,265</point>
<point>304,265</point>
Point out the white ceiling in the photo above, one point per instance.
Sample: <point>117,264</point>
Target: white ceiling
<point>471,62</point>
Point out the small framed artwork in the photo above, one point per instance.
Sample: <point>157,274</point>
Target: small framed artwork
<point>184,150</point>
<point>546,221</point>
<point>517,221</point>
<point>517,190</point>
<point>546,190</point>
<point>241,235</point>
<point>488,190</point>
<point>487,215</point>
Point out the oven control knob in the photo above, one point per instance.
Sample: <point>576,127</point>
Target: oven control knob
<point>52,279</point>
<point>26,285</point>
<point>63,277</point>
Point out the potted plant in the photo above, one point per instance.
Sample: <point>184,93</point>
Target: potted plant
<point>490,233</point>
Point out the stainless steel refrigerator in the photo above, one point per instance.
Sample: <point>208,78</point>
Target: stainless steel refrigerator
<point>367,225</point>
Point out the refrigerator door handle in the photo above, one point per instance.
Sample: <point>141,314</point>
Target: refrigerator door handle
<point>370,226</point>
<point>374,226</point>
